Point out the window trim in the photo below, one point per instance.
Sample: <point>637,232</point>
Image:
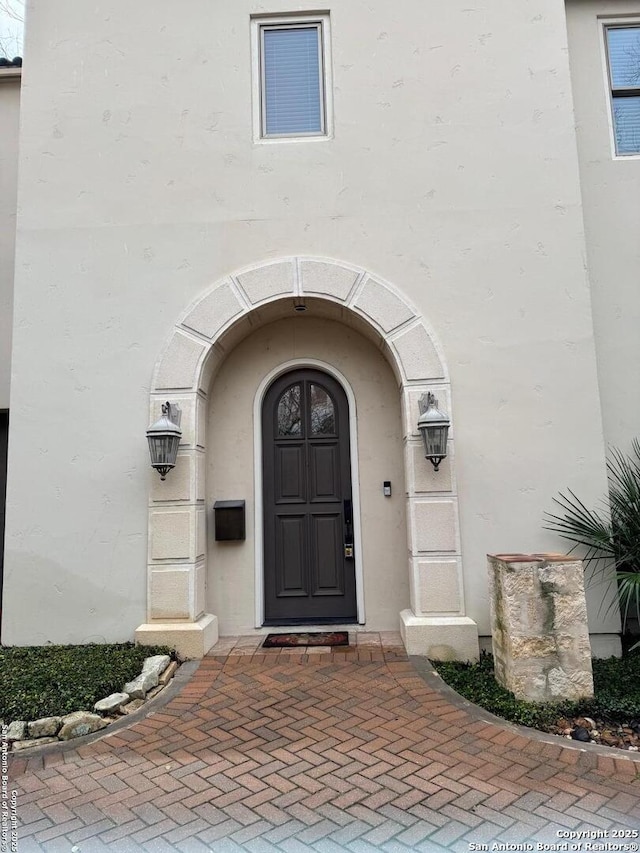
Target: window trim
<point>615,92</point>
<point>261,23</point>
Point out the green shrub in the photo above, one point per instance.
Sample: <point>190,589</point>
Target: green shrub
<point>616,700</point>
<point>45,681</point>
<point>610,536</point>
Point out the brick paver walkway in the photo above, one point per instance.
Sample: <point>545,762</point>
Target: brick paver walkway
<point>350,751</point>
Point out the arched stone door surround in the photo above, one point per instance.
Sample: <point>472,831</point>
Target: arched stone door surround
<point>211,326</point>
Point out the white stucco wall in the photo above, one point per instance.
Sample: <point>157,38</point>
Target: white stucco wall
<point>452,174</point>
<point>611,195</point>
<point>230,465</point>
<point>9,122</point>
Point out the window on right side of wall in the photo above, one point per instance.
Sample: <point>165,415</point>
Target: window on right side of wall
<point>623,56</point>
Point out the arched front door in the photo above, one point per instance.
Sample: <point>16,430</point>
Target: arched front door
<point>309,566</point>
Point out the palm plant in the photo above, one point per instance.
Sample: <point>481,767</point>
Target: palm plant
<point>611,536</point>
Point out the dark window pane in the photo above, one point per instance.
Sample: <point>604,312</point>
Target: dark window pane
<point>323,419</point>
<point>289,414</point>
<point>292,80</point>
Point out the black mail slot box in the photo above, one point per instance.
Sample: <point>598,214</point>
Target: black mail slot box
<point>229,517</point>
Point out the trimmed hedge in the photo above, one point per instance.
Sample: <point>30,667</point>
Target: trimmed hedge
<point>47,681</point>
<point>616,700</point>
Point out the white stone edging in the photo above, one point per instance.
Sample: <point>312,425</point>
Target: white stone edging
<point>23,735</point>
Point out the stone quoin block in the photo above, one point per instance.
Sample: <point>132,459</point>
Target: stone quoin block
<point>169,592</point>
<point>411,409</point>
<point>188,408</point>
<point>433,524</point>
<point>439,586</point>
<point>180,483</point>
<point>421,477</point>
<point>171,535</point>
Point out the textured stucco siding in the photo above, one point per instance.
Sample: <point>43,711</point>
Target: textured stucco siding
<point>611,197</point>
<point>9,122</point>
<point>453,174</point>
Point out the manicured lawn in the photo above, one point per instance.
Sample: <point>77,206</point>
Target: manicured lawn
<point>615,707</point>
<point>46,681</point>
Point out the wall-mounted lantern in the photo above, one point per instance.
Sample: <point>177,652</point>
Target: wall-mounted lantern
<point>164,439</point>
<point>434,427</point>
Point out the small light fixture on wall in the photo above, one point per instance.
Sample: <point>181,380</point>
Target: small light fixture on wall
<point>434,427</point>
<point>164,439</point>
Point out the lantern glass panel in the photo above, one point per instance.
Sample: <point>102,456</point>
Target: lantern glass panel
<point>435,440</point>
<point>164,449</point>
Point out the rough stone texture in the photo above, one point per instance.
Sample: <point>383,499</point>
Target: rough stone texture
<point>382,305</point>
<point>111,703</point>
<point>539,624</point>
<point>45,727</point>
<point>17,730</point>
<point>80,723</point>
<point>168,674</point>
<point>156,663</point>
<point>133,706</point>
<point>26,744</point>
<point>140,686</point>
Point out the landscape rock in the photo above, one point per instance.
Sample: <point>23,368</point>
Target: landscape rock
<point>44,727</point>
<point>132,706</point>
<point>17,730</point>
<point>156,663</point>
<point>40,741</point>
<point>80,723</point>
<point>111,703</point>
<point>140,686</point>
<point>168,674</point>
<point>154,692</point>
<point>580,733</point>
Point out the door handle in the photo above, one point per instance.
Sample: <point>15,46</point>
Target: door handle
<point>348,529</point>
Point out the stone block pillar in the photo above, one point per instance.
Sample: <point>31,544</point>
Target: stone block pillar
<point>177,542</point>
<point>539,625</point>
<point>436,625</point>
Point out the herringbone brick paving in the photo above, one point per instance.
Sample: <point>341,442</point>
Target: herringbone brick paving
<point>328,751</point>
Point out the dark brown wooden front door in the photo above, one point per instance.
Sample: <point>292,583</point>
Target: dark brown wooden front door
<point>309,566</point>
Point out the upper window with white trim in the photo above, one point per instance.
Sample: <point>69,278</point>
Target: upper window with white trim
<point>623,53</point>
<point>292,70</point>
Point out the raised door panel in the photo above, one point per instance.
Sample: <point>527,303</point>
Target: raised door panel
<point>327,559</point>
<point>291,574</point>
<point>289,474</point>
<point>324,471</point>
